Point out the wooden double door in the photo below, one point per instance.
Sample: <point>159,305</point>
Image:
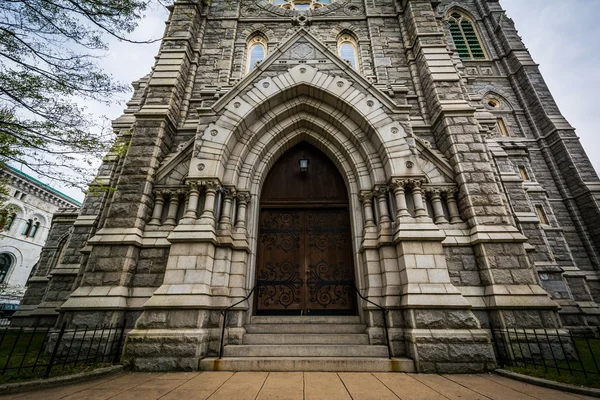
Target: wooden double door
<point>305,263</point>
<point>304,256</point>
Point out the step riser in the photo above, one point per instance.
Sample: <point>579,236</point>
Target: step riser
<point>304,320</point>
<point>307,365</point>
<point>304,351</point>
<point>347,339</point>
<point>305,328</point>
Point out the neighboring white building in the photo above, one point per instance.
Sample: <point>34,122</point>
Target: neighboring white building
<point>24,225</point>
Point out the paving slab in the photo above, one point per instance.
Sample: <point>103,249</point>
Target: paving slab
<point>407,387</point>
<point>540,393</point>
<point>365,386</point>
<point>200,387</point>
<point>241,386</point>
<point>324,386</point>
<point>283,386</point>
<point>493,390</point>
<point>451,390</point>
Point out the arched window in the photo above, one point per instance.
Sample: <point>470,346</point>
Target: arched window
<point>465,37</point>
<point>27,227</point>
<point>348,50</point>
<point>257,51</point>
<point>34,229</point>
<point>5,263</point>
<point>301,5</point>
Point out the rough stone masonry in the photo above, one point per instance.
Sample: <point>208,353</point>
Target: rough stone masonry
<point>472,202</point>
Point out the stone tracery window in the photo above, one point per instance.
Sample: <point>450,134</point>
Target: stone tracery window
<point>465,37</point>
<point>257,51</point>
<point>301,5</point>
<point>348,50</point>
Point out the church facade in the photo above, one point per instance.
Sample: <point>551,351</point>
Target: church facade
<point>306,163</point>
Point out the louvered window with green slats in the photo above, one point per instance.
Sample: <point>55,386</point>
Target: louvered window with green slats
<point>465,37</point>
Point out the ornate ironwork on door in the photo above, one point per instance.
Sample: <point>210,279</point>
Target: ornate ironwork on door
<point>304,262</point>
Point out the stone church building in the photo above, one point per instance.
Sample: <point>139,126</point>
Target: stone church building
<point>330,158</point>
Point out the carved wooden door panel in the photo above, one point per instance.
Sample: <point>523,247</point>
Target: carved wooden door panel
<point>329,272</point>
<point>304,263</point>
<point>280,261</point>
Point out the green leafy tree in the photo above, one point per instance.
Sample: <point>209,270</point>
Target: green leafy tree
<point>48,67</point>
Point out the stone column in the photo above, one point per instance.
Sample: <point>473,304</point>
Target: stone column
<point>228,196</point>
<point>398,185</point>
<point>191,212</point>
<point>438,210</point>
<point>381,192</point>
<point>159,202</point>
<point>208,214</point>
<point>453,207</point>
<point>417,194</point>
<point>173,207</point>
<point>366,198</point>
<point>242,203</point>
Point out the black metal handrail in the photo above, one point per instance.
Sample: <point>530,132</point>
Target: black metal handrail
<point>384,312</point>
<point>224,314</point>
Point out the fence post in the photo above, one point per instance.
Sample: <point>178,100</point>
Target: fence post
<point>53,357</point>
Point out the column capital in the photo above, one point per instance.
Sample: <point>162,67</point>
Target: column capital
<point>416,183</point>
<point>211,185</point>
<point>381,190</point>
<point>398,183</point>
<point>159,195</point>
<point>366,195</point>
<point>434,192</point>
<point>229,192</point>
<point>192,186</point>
<point>243,197</point>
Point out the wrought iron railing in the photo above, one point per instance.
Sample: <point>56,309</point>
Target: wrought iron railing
<point>39,351</point>
<point>224,314</point>
<point>559,351</point>
<point>384,312</point>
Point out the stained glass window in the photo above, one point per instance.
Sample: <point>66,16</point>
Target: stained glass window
<point>465,37</point>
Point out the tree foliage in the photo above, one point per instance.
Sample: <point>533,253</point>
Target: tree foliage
<point>48,69</point>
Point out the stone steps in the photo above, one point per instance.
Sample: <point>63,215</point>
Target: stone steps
<point>306,343</point>
<point>297,319</point>
<point>308,364</point>
<point>309,338</point>
<point>300,350</point>
<point>305,328</point>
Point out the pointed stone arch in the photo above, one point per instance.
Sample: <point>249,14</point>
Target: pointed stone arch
<point>364,111</point>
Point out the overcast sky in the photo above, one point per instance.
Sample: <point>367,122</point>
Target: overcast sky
<point>563,37</point>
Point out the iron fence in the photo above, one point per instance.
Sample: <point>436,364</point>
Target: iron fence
<point>38,352</point>
<point>556,350</point>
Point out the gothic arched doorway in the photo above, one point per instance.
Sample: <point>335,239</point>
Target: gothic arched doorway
<point>304,257</point>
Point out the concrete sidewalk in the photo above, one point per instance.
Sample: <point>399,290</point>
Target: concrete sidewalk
<point>298,386</point>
